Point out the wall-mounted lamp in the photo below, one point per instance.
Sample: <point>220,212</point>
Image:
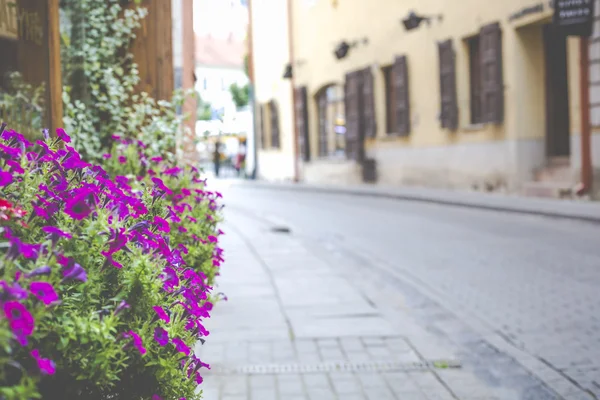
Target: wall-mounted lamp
<point>287,74</point>
<point>342,49</point>
<point>412,21</point>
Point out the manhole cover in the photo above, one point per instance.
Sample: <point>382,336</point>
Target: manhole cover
<point>281,229</point>
<point>341,366</point>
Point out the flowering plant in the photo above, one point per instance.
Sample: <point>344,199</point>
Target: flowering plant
<point>104,282</point>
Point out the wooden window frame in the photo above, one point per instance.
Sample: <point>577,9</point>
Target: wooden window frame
<point>322,132</point>
<point>448,94</point>
<point>475,80</point>
<point>390,99</point>
<point>274,122</point>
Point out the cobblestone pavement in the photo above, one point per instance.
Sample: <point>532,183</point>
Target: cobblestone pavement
<point>510,286</point>
<point>304,320</point>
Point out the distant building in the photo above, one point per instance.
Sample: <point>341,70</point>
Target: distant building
<point>483,95</point>
<point>219,64</point>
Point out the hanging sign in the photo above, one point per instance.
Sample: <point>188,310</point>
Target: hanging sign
<point>574,17</point>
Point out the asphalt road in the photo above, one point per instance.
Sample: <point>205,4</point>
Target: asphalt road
<point>533,280</point>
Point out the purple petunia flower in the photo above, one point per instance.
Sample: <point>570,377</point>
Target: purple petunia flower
<point>156,397</point>
<point>77,208</point>
<point>181,346</point>
<point>162,314</point>
<point>212,239</point>
<point>161,336</point>
<point>44,291</point>
<point>122,159</point>
<point>172,171</point>
<point>170,278</point>
<point>137,341</point>
<point>75,272</point>
<point>54,233</point>
<point>156,159</point>
<point>45,270</point>
<point>106,156</point>
<point>45,365</point>
<point>160,185</point>
<point>60,132</point>
<point>111,260</point>
<point>20,320</point>
<point>122,305</point>
<point>6,178</point>
<point>182,229</point>
<point>15,166</point>
<point>15,291</point>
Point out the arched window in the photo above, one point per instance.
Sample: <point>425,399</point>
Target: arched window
<point>331,132</point>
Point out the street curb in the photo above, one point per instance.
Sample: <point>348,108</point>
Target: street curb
<point>564,209</point>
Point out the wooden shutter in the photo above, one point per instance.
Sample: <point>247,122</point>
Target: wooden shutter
<point>262,133</point>
<point>323,133</point>
<point>492,86</point>
<point>351,107</point>
<point>369,118</point>
<point>449,107</point>
<point>402,96</point>
<point>274,125</point>
<point>302,122</point>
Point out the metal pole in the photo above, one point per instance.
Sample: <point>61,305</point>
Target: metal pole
<point>586,156</point>
<point>293,84</point>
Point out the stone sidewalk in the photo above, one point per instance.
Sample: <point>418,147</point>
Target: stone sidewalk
<point>299,324</point>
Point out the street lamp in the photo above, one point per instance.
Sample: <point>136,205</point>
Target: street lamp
<point>342,49</point>
<point>288,73</point>
<point>412,21</point>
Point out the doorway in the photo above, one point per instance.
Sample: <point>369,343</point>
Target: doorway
<point>558,145</point>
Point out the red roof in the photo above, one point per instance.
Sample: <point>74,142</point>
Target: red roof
<point>220,52</point>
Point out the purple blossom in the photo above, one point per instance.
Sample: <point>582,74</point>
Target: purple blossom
<point>15,166</point>
<point>106,156</point>
<point>44,292</point>
<point>77,207</point>
<point>60,132</point>
<point>156,159</point>
<point>46,366</point>
<point>122,305</point>
<point>161,336</point>
<point>170,278</point>
<point>122,159</point>
<point>162,314</point>
<point>20,320</point>
<point>137,341</point>
<point>14,291</point>
<point>54,233</point>
<point>181,346</point>
<point>6,178</point>
<point>212,239</point>
<point>75,272</point>
<point>45,270</point>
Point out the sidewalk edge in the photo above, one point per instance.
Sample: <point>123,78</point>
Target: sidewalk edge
<point>553,208</point>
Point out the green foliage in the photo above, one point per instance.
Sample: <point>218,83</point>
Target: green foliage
<point>22,105</point>
<point>100,97</point>
<point>240,94</point>
<point>84,333</point>
<point>204,112</point>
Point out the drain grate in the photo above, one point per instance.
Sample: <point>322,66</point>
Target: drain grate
<point>267,369</point>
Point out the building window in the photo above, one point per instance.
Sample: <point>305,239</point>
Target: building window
<point>475,79</point>
<point>331,113</point>
<point>390,100</point>
<point>485,69</point>
<point>274,119</point>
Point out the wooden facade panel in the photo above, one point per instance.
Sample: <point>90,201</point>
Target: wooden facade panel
<point>448,95</point>
<point>152,50</point>
<point>29,43</point>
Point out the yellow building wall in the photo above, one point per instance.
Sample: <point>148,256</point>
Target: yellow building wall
<point>514,149</point>
<point>270,46</point>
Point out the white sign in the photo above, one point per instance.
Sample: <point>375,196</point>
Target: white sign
<point>8,19</point>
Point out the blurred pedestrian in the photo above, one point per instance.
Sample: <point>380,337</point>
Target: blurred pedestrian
<point>217,157</point>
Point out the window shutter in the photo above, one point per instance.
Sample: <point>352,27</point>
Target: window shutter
<point>274,124</point>
<point>263,133</point>
<point>402,96</point>
<point>302,123</point>
<point>449,107</point>
<point>322,113</point>
<point>492,86</point>
<point>370,120</point>
<point>351,107</point>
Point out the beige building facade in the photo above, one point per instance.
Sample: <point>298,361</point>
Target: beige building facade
<point>481,95</point>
